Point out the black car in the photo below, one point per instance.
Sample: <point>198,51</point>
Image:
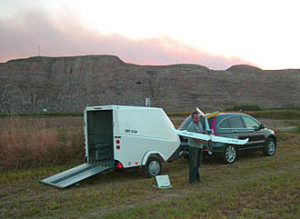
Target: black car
<point>239,126</point>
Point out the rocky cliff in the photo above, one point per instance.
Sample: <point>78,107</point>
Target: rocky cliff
<point>68,84</point>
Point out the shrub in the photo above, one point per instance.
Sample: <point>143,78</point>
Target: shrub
<point>298,128</point>
<point>277,114</point>
<point>244,107</point>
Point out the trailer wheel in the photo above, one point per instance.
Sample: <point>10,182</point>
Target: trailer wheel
<point>152,167</point>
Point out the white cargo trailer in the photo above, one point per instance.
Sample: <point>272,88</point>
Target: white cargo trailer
<point>127,135</point>
<point>122,137</point>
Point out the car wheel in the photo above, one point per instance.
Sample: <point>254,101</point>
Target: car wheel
<point>270,149</point>
<point>230,154</point>
<point>152,167</point>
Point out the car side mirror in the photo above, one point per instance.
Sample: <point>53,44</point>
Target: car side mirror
<point>261,126</point>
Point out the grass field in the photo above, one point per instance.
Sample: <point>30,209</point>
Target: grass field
<point>254,187</point>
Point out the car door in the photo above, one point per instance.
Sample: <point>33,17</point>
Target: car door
<point>238,130</point>
<point>255,134</point>
<point>232,126</point>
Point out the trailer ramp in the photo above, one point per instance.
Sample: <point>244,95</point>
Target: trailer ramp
<point>74,175</point>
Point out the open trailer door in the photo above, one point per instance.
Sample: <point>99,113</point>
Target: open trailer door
<point>99,150</point>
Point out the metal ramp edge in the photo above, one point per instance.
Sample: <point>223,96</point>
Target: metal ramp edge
<point>74,175</point>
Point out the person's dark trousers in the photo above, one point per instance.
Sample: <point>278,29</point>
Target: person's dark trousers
<point>195,159</point>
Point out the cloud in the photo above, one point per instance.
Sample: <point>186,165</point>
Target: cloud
<point>66,35</point>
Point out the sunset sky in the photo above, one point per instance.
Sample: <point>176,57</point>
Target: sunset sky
<point>213,33</point>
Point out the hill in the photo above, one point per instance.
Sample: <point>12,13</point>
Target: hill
<point>69,84</point>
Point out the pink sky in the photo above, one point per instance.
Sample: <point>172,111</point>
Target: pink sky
<point>69,28</point>
<point>31,33</point>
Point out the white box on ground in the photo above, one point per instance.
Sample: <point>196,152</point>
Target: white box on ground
<point>163,182</point>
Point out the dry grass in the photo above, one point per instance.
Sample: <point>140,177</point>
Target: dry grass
<point>37,142</point>
<point>25,146</point>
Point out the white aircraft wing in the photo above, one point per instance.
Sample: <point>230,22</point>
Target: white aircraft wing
<point>211,137</point>
<point>215,138</point>
<point>192,134</point>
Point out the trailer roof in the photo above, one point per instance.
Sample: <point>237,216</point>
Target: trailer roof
<point>112,107</point>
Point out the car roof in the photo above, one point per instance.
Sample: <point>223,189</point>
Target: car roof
<point>227,114</point>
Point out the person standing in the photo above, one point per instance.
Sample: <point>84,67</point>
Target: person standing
<point>195,149</point>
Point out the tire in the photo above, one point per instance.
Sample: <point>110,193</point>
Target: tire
<point>186,156</point>
<point>152,167</point>
<point>270,149</point>
<point>185,153</point>
<point>229,154</point>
